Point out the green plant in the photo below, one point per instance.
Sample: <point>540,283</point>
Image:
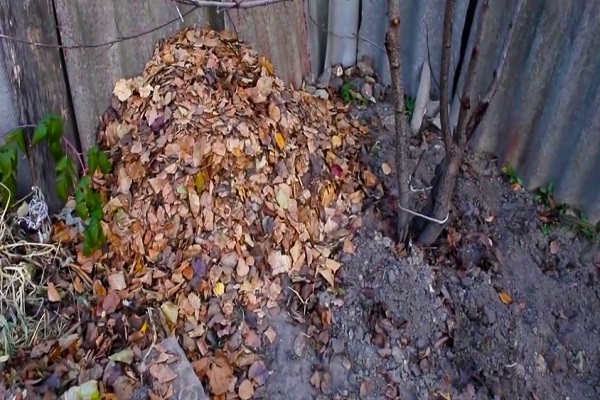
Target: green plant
<point>88,203</point>
<point>349,95</point>
<point>545,195</point>
<point>409,106</point>
<point>508,172</point>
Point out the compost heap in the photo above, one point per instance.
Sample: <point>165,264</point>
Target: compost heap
<point>224,178</point>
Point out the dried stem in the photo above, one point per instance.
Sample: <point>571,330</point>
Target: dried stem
<point>393,49</point>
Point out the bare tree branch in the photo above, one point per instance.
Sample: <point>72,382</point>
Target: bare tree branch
<point>229,4</point>
<point>445,75</point>
<point>507,40</point>
<point>392,44</point>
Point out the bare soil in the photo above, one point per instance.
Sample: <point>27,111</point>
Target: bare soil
<point>498,310</point>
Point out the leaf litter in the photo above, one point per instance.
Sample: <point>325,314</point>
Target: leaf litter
<point>227,188</point>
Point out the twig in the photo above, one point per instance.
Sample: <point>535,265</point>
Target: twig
<point>98,45</point>
<point>445,74</point>
<point>430,219</point>
<point>229,4</point>
<point>507,40</point>
<point>73,150</point>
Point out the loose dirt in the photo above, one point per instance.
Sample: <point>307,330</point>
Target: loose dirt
<point>498,311</point>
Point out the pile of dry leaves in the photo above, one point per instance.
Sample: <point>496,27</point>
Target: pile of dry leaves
<point>224,181</point>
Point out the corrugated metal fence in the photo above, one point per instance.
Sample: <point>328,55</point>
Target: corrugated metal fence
<point>543,120</point>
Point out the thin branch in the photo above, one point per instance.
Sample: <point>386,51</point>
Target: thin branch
<point>98,45</point>
<point>507,40</point>
<point>229,4</point>
<point>445,73</point>
<point>429,56</point>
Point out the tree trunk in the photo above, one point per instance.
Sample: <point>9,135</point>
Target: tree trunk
<point>443,183</point>
<point>393,49</point>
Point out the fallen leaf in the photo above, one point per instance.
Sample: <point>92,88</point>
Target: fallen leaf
<point>117,281</point>
<point>170,311</point>
<point>111,302</point>
<point>505,298</point>
<point>270,334</point>
<point>554,247</point>
<point>124,356</point>
<point>246,390</point>
<point>123,89</point>
<point>386,169</point>
<point>219,289</point>
<point>53,294</point>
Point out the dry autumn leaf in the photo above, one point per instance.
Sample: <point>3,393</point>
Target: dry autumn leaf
<point>53,295</point>
<point>246,390</point>
<point>505,298</point>
<point>386,169</point>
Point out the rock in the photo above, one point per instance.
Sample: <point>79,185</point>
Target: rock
<point>378,92</point>
<point>490,315</point>
<point>321,94</point>
<point>186,385</point>
<point>364,69</point>
<point>336,83</point>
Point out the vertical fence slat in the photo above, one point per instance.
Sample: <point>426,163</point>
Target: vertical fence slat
<point>37,79</point>
<point>93,71</point>
<point>279,32</point>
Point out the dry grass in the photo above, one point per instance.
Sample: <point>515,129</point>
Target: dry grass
<point>24,318</point>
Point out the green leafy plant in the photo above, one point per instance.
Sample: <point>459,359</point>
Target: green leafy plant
<point>508,172</point>
<point>545,195</point>
<point>349,95</point>
<point>409,106</point>
<point>88,202</point>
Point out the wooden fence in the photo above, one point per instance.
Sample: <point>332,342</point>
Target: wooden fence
<point>64,57</point>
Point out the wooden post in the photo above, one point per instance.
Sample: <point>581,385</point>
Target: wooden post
<point>37,80</point>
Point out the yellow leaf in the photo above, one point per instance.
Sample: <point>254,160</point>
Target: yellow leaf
<point>144,327</point>
<point>200,181</point>
<point>505,297</point>
<point>219,289</point>
<point>280,140</point>
<point>170,311</point>
<point>336,141</point>
<point>264,63</point>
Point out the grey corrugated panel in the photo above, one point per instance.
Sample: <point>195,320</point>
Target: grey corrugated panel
<point>422,22</point>
<point>544,120</point>
<point>317,15</point>
<point>342,38</point>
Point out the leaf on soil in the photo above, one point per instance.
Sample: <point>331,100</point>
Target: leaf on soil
<point>258,372</point>
<point>124,356</point>
<point>117,281</point>
<point>505,297</point>
<point>246,390</point>
<point>123,89</point>
<point>554,247</point>
<point>386,169</point>
<point>53,294</point>
<point>270,334</point>
<point>170,311</point>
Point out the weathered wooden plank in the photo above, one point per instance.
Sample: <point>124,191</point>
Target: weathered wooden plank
<point>279,32</point>
<point>93,71</point>
<point>36,80</point>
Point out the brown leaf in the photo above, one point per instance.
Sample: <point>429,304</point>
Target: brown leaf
<point>554,247</point>
<point>219,375</point>
<point>53,294</point>
<point>270,334</point>
<point>246,390</point>
<point>117,281</point>
<point>505,297</point>
<point>111,302</point>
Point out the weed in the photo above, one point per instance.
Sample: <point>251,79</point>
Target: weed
<point>409,106</point>
<point>88,202</point>
<point>508,172</point>
<point>349,95</point>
